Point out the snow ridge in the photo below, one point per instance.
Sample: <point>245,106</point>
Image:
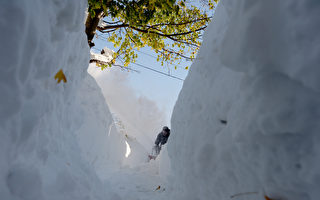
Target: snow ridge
<point>247,117</point>
<point>53,136</point>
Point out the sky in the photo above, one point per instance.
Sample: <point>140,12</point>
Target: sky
<point>157,87</point>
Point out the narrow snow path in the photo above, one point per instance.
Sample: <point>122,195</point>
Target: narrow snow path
<point>137,126</point>
<point>141,182</point>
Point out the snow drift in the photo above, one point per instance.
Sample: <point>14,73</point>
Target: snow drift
<point>54,137</point>
<point>246,122</point>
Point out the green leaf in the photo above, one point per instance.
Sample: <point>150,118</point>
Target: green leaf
<point>171,28</point>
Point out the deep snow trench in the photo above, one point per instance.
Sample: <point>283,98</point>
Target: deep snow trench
<point>137,121</point>
<point>246,121</point>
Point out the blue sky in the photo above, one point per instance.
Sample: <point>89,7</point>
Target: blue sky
<point>161,89</point>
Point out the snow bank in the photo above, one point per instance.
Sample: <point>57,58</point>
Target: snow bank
<point>247,117</point>
<point>53,136</point>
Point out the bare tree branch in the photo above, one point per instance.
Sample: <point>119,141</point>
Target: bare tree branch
<point>103,28</point>
<point>168,35</point>
<point>179,24</point>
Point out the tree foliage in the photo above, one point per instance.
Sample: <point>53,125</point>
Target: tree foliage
<point>171,28</point>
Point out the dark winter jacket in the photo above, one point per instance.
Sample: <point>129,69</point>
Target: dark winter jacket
<point>161,139</point>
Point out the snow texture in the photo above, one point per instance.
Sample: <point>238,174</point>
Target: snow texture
<point>246,122</point>
<point>54,137</point>
<point>106,56</point>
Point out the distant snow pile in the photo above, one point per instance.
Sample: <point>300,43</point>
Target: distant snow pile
<point>246,123</point>
<point>53,135</point>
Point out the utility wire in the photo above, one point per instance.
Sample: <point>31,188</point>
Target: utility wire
<point>146,67</point>
<point>95,48</point>
<point>145,53</point>
<point>149,68</point>
<point>101,37</point>
<point>122,67</point>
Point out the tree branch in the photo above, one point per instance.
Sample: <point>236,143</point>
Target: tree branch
<point>105,63</point>
<point>130,36</point>
<point>102,28</point>
<point>167,35</point>
<point>111,22</point>
<point>147,31</point>
<point>102,31</point>
<point>179,24</point>
<point>99,62</point>
<point>91,25</point>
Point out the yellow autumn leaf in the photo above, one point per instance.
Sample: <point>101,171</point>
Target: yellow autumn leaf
<point>158,188</point>
<point>187,67</point>
<point>267,198</point>
<point>60,76</point>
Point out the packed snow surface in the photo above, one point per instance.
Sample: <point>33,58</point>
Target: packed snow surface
<point>246,122</point>
<point>54,137</point>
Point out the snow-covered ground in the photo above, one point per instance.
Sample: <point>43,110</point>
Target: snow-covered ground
<point>247,118</point>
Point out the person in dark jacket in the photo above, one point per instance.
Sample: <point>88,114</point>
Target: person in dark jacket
<point>162,138</point>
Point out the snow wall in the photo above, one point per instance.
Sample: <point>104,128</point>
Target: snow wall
<point>55,138</point>
<point>246,122</point>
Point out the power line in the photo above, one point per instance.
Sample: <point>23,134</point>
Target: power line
<point>125,68</point>
<point>95,48</point>
<point>149,68</point>
<point>143,66</point>
<point>105,39</point>
<point>101,37</point>
<point>145,53</point>
<point>122,67</point>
